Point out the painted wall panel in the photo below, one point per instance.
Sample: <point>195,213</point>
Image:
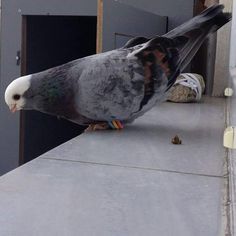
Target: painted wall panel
<point>123,19</point>
<point>178,11</point>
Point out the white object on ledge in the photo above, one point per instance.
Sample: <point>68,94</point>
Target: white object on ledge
<point>229,137</point>
<point>229,92</point>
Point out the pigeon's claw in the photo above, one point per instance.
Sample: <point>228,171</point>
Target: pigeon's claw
<point>96,127</point>
<point>114,125</point>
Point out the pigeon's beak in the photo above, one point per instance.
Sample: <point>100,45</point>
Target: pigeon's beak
<point>13,108</point>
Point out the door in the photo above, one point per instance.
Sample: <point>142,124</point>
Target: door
<point>118,22</point>
<point>49,41</point>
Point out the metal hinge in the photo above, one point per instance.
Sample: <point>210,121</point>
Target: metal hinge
<point>18,58</point>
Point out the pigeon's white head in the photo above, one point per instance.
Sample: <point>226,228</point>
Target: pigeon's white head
<point>14,93</point>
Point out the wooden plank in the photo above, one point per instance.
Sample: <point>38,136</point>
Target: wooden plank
<point>99,26</point>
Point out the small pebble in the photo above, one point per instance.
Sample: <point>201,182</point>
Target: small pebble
<point>176,140</point>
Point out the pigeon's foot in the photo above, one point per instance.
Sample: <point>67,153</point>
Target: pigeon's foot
<point>115,125</point>
<point>96,127</point>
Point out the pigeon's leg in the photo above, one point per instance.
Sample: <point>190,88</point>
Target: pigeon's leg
<point>115,125</point>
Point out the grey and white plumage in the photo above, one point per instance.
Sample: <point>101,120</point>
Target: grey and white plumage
<point>117,85</point>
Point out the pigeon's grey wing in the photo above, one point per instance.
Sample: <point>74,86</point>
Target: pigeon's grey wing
<point>125,83</point>
<point>111,86</point>
<point>135,41</point>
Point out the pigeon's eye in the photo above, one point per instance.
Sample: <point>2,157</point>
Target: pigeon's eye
<point>16,97</point>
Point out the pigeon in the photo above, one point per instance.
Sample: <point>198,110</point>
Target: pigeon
<point>114,88</point>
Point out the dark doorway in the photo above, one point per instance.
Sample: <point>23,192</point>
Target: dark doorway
<point>49,41</point>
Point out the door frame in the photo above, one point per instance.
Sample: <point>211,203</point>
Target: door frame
<point>12,17</point>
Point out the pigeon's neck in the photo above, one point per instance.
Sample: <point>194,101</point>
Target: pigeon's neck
<point>52,91</point>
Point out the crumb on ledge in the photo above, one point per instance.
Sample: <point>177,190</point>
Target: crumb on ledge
<point>176,140</point>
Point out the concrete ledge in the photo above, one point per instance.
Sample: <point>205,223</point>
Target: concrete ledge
<point>133,182</point>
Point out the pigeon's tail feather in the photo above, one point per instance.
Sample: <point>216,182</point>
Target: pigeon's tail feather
<point>212,16</point>
<point>196,30</point>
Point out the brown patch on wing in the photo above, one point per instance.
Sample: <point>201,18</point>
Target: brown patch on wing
<point>164,65</point>
<point>159,54</point>
<point>158,57</point>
